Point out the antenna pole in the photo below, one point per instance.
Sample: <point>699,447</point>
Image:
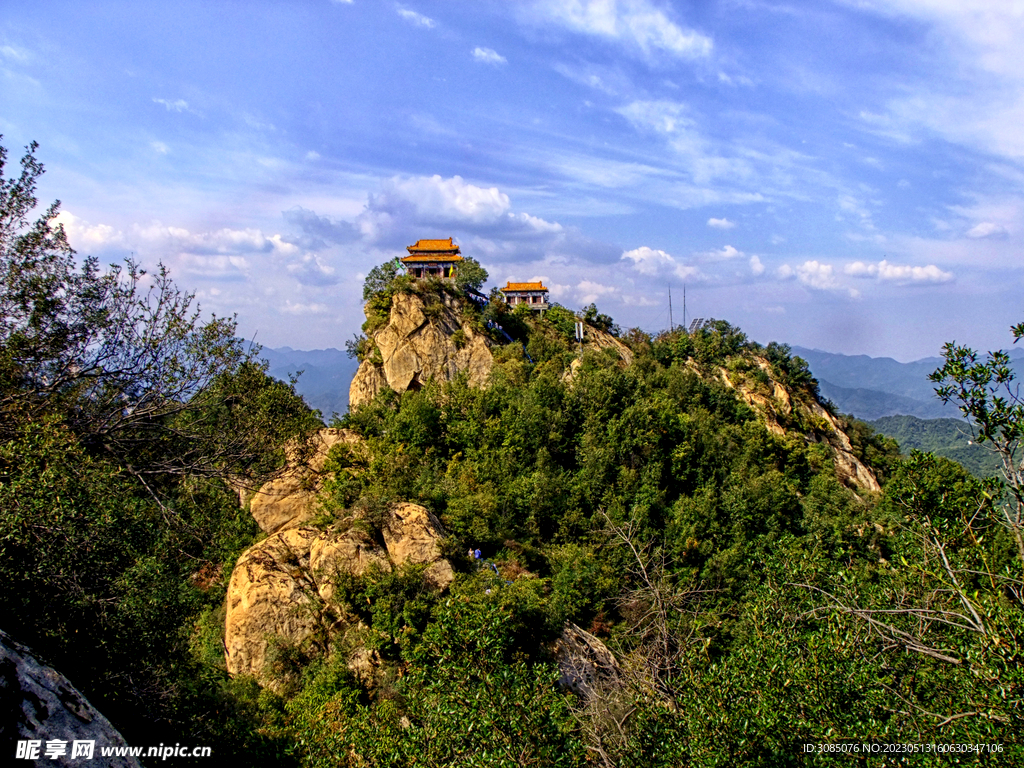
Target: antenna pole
<point>670,326</point>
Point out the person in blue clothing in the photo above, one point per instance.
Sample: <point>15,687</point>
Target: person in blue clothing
<point>477,554</point>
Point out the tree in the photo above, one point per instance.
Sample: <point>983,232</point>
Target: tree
<point>991,401</point>
<point>469,275</point>
<point>134,373</point>
<point>598,320</point>
<point>380,278</point>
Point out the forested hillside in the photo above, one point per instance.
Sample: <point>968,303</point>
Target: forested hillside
<point>685,557</point>
<point>951,438</point>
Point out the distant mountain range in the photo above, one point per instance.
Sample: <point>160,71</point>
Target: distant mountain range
<point>869,388</point>
<point>326,375</point>
<point>872,387</point>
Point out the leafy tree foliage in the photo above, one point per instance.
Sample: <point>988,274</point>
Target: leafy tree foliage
<point>380,278</point>
<point>127,425</point>
<point>990,399</point>
<point>469,274</point>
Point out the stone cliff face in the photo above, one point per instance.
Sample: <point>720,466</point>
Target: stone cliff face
<point>282,588</point>
<point>38,703</point>
<point>416,345</point>
<point>775,406</point>
<point>289,500</point>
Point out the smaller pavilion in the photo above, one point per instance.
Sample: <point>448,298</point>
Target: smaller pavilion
<point>432,258</point>
<point>535,295</point>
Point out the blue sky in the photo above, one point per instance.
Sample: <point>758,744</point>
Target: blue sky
<point>845,175</point>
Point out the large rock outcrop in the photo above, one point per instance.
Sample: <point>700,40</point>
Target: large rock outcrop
<point>776,405</point>
<point>39,704</point>
<point>289,500</point>
<point>584,662</point>
<point>417,344</point>
<point>282,589</point>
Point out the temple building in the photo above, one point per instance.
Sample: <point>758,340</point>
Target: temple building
<point>533,294</point>
<point>432,258</point>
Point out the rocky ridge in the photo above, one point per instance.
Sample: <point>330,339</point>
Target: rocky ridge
<point>775,405</point>
<point>417,344</point>
<point>281,591</point>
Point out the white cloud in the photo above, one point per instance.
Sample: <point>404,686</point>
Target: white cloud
<point>655,262</point>
<point>813,274</point>
<point>987,229</point>
<point>159,147</point>
<point>636,24</point>
<point>589,291</point>
<point>721,223</point>
<point>897,273</point>
<point>488,56</point>
<point>221,241</point>
<point>661,116</point>
<point>215,267</point>
<point>979,99</point>
<point>727,252</point>
<point>178,105</point>
<point>671,119</point>
<point>433,201</point>
<point>432,197</point>
<point>303,309</point>
<point>312,155</point>
<point>312,270</point>
<point>756,267</point>
<point>86,237</point>
<point>417,18</point>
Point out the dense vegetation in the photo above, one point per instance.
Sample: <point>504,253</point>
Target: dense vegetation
<point>127,426</point>
<point>951,438</point>
<point>755,603</point>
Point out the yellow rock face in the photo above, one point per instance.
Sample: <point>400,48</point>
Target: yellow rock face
<point>416,348</point>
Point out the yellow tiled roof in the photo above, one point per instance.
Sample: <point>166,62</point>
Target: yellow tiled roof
<point>538,286</point>
<point>433,246</point>
<point>414,258</point>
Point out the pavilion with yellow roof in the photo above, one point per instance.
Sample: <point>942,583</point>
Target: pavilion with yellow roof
<point>534,295</point>
<point>432,258</point>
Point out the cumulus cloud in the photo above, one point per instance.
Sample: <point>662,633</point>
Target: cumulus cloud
<point>897,273</point>
<point>87,237</point>
<point>417,18</point>
<point>988,230</point>
<point>636,24</point>
<point>813,274</point>
<point>453,202</point>
<point>221,241</point>
<point>589,291</point>
<point>319,230</point>
<point>488,56</point>
<point>721,223</point>
<point>161,240</point>
<point>756,267</point>
<point>657,263</point>
<point>433,197</point>
<point>312,270</point>
<point>727,252</point>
